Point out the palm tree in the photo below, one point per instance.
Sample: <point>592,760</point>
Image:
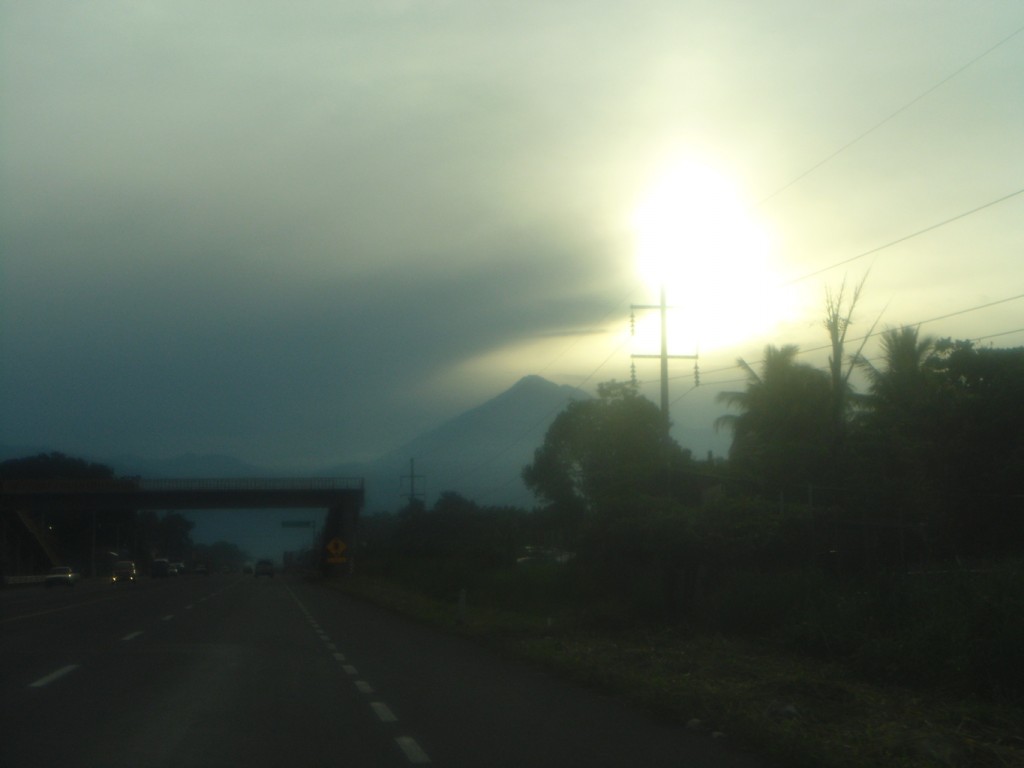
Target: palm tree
<point>902,381</point>
<point>902,437</point>
<point>780,436</point>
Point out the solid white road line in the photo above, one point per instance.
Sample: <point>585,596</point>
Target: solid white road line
<point>383,712</point>
<point>413,752</point>
<point>53,676</point>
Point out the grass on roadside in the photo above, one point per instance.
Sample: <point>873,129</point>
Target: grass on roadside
<point>794,711</point>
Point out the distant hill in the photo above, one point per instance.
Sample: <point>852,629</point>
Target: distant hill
<point>479,454</point>
<point>188,465</point>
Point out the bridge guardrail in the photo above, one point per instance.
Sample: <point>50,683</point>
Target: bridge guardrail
<point>129,484</point>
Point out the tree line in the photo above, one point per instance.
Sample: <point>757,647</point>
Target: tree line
<point>882,526</point>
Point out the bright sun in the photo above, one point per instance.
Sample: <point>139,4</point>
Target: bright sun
<point>696,235</point>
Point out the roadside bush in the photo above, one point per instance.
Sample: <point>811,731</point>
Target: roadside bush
<point>749,533</point>
<point>954,629</point>
<point>544,589</point>
<point>960,629</point>
<point>753,603</point>
<point>734,567</point>
<point>643,558</point>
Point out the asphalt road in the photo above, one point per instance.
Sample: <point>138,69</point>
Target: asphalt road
<point>238,671</point>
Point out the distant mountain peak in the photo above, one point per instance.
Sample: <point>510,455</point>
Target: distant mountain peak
<point>485,447</point>
<point>532,380</point>
<point>534,385</point>
<point>528,395</point>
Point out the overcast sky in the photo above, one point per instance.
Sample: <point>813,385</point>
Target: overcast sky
<point>301,233</point>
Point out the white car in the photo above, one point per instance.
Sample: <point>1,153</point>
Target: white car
<point>61,576</point>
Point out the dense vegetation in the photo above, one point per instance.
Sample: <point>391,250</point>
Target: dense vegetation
<point>882,529</point>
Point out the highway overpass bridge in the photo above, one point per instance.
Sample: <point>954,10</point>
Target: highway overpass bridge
<point>342,498</point>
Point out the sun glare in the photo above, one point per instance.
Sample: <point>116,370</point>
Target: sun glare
<point>696,236</point>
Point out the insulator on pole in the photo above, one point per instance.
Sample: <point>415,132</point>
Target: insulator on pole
<point>696,373</point>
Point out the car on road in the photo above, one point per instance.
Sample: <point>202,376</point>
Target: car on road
<point>160,568</point>
<point>264,568</point>
<point>124,572</point>
<point>202,570</point>
<point>61,576</point>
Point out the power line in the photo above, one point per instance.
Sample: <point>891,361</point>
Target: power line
<point>885,120</point>
<point>795,180</point>
<point>971,309</point>
<point>880,248</point>
<point>912,235</point>
<point>904,238</point>
<point>823,347</point>
<point>995,335</point>
<point>931,319</point>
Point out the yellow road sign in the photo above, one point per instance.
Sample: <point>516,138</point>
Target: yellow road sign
<point>336,547</point>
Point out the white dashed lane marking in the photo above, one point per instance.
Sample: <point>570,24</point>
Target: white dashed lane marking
<point>131,636</point>
<point>413,752</point>
<point>47,679</point>
<point>383,712</point>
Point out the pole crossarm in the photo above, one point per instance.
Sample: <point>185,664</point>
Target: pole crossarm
<point>664,356</point>
<point>668,357</point>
